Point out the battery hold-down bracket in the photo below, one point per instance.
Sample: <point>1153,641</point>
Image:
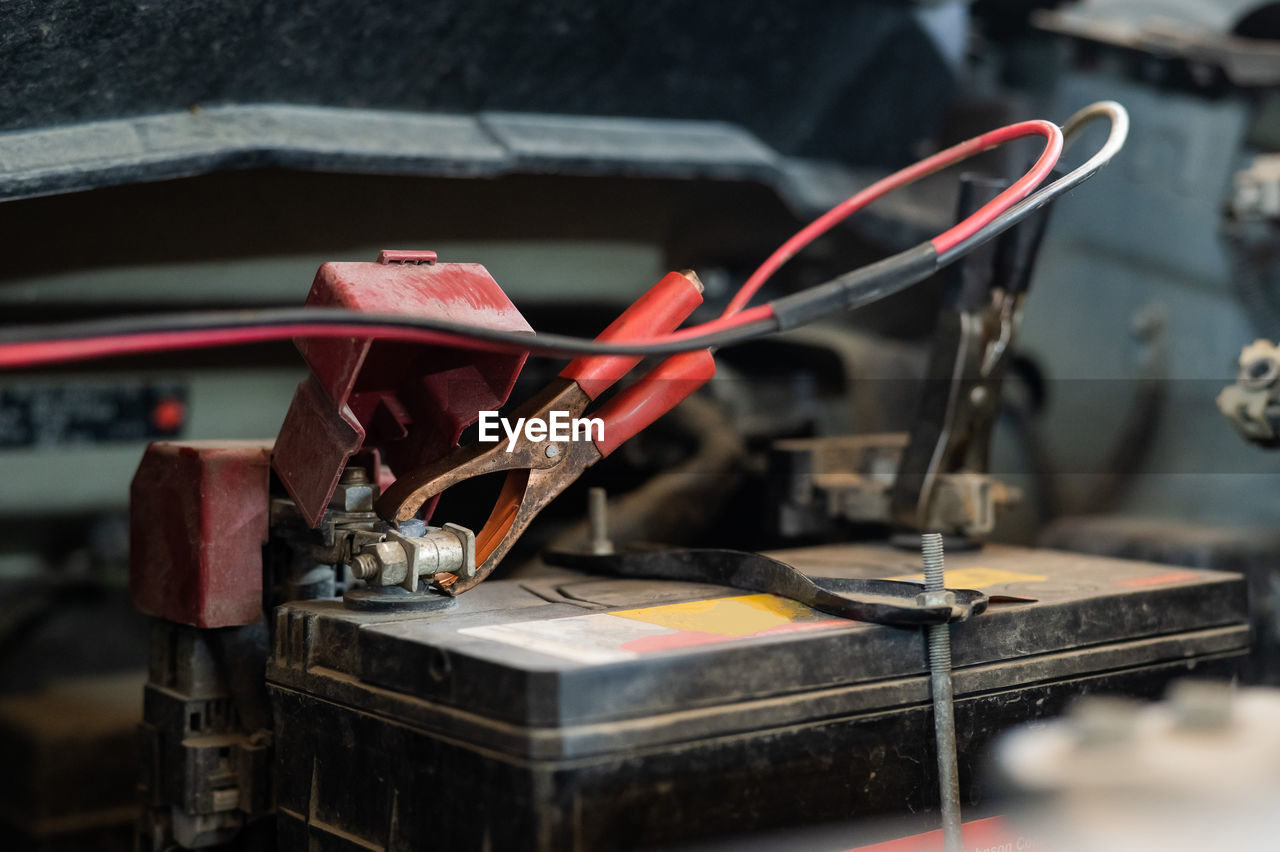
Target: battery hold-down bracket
<point>896,603</point>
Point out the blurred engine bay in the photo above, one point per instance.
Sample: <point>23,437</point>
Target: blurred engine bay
<point>1045,405</point>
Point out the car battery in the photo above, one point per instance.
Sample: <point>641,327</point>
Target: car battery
<point>572,711</point>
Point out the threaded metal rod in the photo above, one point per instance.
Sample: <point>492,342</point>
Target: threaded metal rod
<point>598,517</point>
<point>363,566</point>
<point>944,720</point>
<point>934,580</point>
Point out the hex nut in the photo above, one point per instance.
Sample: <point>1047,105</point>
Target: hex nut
<point>357,497</point>
<point>932,599</point>
<point>393,563</point>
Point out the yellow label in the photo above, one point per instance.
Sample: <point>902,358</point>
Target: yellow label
<point>739,616</point>
<point>978,578</point>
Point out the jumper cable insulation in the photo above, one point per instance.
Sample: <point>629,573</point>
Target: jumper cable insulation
<point>43,345</point>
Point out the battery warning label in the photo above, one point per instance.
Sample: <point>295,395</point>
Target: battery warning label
<point>607,637</point>
<point>978,578</point>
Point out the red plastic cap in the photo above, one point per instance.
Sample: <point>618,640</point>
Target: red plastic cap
<point>408,401</point>
<point>197,523</point>
<point>661,309</point>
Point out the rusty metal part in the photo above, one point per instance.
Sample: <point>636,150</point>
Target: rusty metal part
<point>535,478</point>
<point>406,496</point>
<point>853,476</point>
<point>401,560</point>
<point>449,549</point>
<point>533,481</point>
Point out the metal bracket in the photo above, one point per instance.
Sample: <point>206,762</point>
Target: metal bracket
<point>892,602</point>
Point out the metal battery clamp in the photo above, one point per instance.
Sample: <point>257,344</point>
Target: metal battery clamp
<point>538,471</point>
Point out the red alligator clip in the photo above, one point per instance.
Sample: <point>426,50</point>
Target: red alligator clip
<point>539,470</point>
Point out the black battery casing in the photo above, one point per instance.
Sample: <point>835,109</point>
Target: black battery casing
<point>578,712</point>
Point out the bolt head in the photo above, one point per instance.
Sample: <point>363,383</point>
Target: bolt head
<point>412,527</point>
<point>393,562</point>
<point>553,450</point>
<point>932,599</point>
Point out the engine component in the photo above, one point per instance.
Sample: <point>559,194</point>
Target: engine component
<point>404,559</point>
<point>203,516</point>
<point>1252,404</point>
<point>940,479</point>
<point>851,477</point>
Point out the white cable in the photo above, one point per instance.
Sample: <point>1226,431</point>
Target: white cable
<point>1119,118</point>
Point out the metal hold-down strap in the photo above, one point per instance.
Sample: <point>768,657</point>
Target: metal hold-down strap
<point>892,602</point>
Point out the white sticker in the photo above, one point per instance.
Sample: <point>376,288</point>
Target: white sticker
<point>596,638</point>
<point>609,637</point>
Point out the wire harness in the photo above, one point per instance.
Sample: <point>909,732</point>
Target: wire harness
<point>35,345</point>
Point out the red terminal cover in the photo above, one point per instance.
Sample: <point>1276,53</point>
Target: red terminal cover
<point>198,520</point>
<point>408,401</point>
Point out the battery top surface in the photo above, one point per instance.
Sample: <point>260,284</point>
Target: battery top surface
<point>575,650</point>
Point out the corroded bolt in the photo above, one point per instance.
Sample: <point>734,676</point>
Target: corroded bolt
<point>363,566</point>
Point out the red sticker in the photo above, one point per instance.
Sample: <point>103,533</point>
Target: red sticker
<point>1159,579</point>
<point>981,834</point>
